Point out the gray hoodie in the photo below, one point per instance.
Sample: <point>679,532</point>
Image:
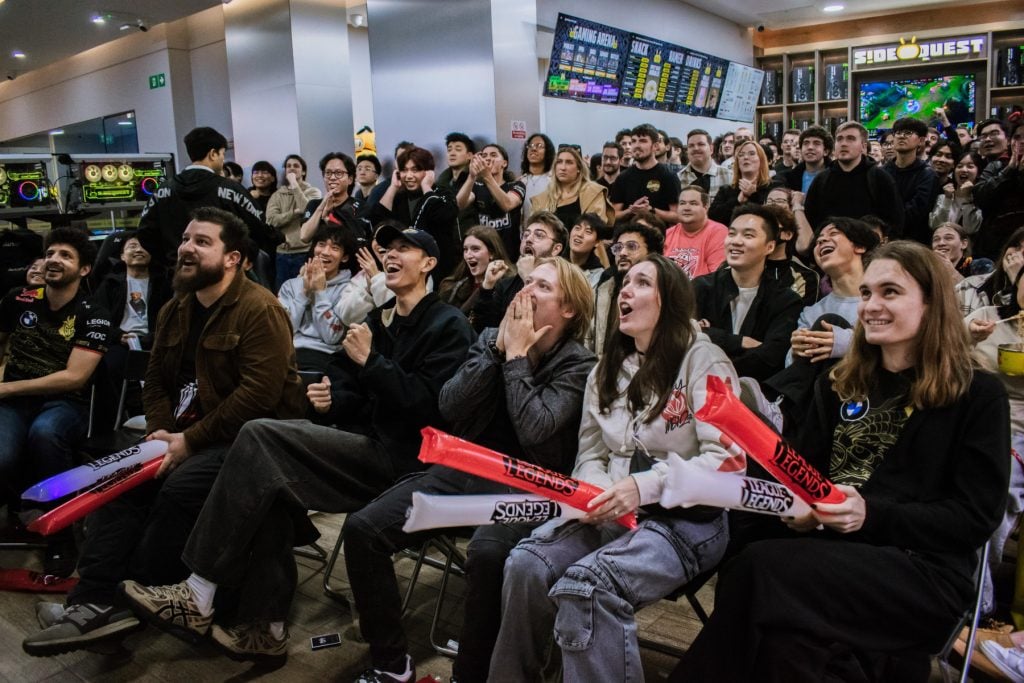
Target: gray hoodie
<point>315,324</point>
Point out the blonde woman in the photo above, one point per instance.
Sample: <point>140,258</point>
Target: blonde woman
<point>571,193</point>
<point>750,183</point>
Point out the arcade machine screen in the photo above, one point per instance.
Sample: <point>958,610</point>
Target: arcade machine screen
<point>882,102</point>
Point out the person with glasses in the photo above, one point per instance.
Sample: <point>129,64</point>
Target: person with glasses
<point>538,158</point>
<point>631,243</point>
<point>750,183</point>
<point>611,164</point>
<point>999,192</point>
<point>749,316</point>
<point>339,172</point>
<point>545,235</point>
<point>916,182</point>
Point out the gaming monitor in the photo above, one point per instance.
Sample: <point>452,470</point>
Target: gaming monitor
<point>882,102</point>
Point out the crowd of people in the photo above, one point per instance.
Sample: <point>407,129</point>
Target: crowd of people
<point>856,294</point>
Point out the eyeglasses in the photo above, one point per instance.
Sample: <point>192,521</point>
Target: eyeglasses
<point>536,146</point>
<point>628,247</point>
<point>780,201</point>
<point>537,234</point>
<point>991,134</point>
<point>903,133</point>
<point>335,174</point>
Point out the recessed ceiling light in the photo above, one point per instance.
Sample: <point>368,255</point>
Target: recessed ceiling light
<point>833,8</point>
<point>57,132</point>
<point>124,123</point>
<point>18,54</point>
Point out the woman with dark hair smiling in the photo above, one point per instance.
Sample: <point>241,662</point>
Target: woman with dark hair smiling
<point>955,203</point>
<point>918,441</point>
<point>264,183</point>
<point>585,578</point>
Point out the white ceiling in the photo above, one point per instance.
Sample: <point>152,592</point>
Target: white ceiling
<point>775,14</point>
<point>50,30</point>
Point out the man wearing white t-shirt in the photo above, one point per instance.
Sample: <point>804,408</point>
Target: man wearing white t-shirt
<point>749,316</point>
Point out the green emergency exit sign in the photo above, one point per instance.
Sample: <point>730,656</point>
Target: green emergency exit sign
<point>157,81</point>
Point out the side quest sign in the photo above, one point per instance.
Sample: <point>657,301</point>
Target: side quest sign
<point>958,48</point>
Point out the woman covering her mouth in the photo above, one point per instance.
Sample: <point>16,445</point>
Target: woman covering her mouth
<point>480,246</point>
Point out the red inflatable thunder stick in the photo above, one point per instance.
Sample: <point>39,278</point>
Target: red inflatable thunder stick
<point>742,429</point>
<point>444,449</point>
<point>99,495</point>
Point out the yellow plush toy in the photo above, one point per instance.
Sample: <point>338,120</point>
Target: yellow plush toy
<point>366,142</point>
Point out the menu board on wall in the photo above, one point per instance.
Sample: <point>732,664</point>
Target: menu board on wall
<point>740,93</point>
<point>651,78</point>
<point>700,87</point>
<point>587,60</point>
<point>598,63</point>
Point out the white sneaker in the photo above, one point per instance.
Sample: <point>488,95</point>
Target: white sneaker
<point>1009,660</point>
<point>753,398</point>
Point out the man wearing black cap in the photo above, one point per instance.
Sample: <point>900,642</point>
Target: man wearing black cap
<point>379,394</point>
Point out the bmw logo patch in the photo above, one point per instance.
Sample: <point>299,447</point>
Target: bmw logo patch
<point>851,411</point>
<point>28,319</point>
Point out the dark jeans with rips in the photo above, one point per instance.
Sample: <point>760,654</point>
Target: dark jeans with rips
<point>274,473</point>
<point>374,534</point>
<point>139,535</point>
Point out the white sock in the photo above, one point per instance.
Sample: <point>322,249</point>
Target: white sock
<point>202,592</point>
<point>277,629</point>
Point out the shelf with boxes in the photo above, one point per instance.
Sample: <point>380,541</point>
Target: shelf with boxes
<point>802,89</point>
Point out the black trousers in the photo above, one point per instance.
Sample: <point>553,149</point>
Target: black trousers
<point>257,509</point>
<point>140,534</point>
<point>813,609</point>
<point>374,534</point>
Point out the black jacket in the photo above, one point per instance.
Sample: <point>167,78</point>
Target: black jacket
<point>112,295</point>
<point>940,491</point>
<point>490,304</point>
<point>918,186</point>
<point>771,320</point>
<point>165,217</point>
<point>806,282</point>
<point>435,212</point>
<point>727,200</point>
<point>395,394</point>
<point>867,189</point>
<point>999,193</point>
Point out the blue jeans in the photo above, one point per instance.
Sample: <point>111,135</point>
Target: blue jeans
<point>585,582</point>
<point>38,437</point>
<point>288,266</point>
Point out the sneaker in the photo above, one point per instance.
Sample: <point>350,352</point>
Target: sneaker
<point>753,398</point>
<point>378,676</point>
<point>251,643</point>
<point>169,608</point>
<point>1009,660</point>
<point>48,613</point>
<point>80,627</point>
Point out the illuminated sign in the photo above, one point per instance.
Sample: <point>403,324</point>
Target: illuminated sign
<point>929,50</point>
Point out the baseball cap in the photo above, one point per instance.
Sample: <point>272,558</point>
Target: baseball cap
<point>422,239</point>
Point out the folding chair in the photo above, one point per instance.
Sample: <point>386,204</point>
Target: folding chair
<point>970,618</point>
<point>689,591</point>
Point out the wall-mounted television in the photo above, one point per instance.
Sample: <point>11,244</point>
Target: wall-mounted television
<point>882,102</point>
<point>25,184</point>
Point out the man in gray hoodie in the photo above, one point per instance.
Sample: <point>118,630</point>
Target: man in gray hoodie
<point>310,297</point>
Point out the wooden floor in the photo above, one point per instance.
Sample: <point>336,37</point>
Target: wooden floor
<point>153,656</point>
